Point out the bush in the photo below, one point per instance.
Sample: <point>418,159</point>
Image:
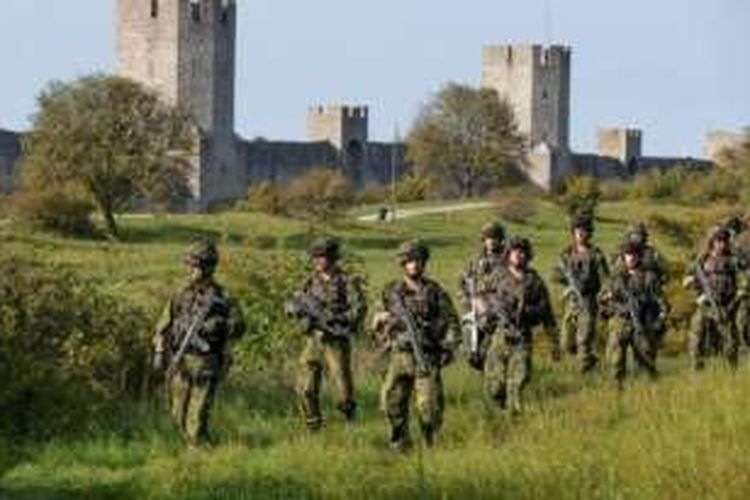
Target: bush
<point>658,185</point>
<point>581,196</point>
<point>417,188</point>
<point>717,186</point>
<point>513,206</point>
<point>68,352</point>
<point>55,209</point>
<point>320,195</point>
<point>264,197</point>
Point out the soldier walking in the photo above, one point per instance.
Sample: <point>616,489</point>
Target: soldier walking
<point>521,303</point>
<point>714,277</point>
<point>650,258</point>
<point>477,286</point>
<point>419,329</point>
<point>192,342</point>
<point>636,313</point>
<point>331,305</point>
<point>582,270</point>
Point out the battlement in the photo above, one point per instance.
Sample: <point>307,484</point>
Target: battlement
<point>338,110</point>
<point>527,53</point>
<point>622,143</point>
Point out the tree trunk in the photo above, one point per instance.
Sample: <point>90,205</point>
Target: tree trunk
<point>111,224</point>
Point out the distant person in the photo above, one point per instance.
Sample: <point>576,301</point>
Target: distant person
<point>419,330</point>
<point>636,312</point>
<point>581,270</point>
<point>192,343</point>
<point>331,306</point>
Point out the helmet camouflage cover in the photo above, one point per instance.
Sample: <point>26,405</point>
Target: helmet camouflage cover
<point>414,250</point>
<point>493,230</point>
<point>329,248</point>
<point>523,244</point>
<point>203,254</point>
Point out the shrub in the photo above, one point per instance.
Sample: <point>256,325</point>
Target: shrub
<point>717,186</point>
<point>68,352</point>
<point>581,196</point>
<point>513,206</point>
<point>264,197</point>
<point>417,188</point>
<point>658,185</point>
<point>55,209</point>
<point>321,195</point>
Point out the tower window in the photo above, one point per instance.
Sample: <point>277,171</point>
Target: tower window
<point>195,10</point>
<point>224,11</point>
<point>154,9</point>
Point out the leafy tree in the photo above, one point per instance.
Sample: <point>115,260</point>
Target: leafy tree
<point>582,195</point>
<point>110,137</point>
<point>469,138</point>
<point>321,195</point>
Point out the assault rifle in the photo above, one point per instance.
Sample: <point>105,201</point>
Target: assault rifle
<point>572,282</point>
<point>192,337</point>
<point>413,331</point>
<point>505,320</point>
<point>304,305</point>
<point>708,291</point>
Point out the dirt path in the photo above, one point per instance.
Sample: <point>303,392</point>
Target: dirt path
<point>416,212</point>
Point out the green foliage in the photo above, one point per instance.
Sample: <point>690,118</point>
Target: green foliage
<point>68,352</point>
<point>581,196</point>
<point>111,138</point>
<point>468,138</point>
<point>55,209</point>
<point>720,185</point>
<point>658,185</point>
<point>515,206</point>
<point>417,188</point>
<point>321,195</point>
<point>263,197</point>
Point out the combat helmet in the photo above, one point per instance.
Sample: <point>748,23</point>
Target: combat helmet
<point>413,250</point>
<point>493,230</point>
<point>523,244</point>
<point>582,221</point>
<point>203,254</point>
<point>327,247</point>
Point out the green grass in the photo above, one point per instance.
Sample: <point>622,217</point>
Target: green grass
<point>685,436</point>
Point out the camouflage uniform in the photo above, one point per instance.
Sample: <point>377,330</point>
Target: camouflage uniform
<point>192,383</point>
<point>713,329</point>
<point>478,284</point>
<point>344,298</point>
<point>651,259</point>
<point>435,317</point>
<point>525,304</point>
<point>740,231</point>
<point>634,305</point>
<point>588,270</point>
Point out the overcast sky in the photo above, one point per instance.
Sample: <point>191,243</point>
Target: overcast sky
<point>675,68</point>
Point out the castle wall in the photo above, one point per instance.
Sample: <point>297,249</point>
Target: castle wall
<point>10,153</point>
<point>280,162</point>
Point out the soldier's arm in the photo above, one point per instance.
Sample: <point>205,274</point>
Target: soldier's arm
<point>450,319</point>
<point>464,287</point>
<point>162,336</point>
<point>547,317</point>
<point>603,266</point>
<point>557,274</point>
<point>237,325</point>
<point>358,301</point>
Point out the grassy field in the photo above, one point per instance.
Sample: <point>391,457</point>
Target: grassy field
<point>686,436</point>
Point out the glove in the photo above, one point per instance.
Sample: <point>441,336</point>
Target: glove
<point>157,362</point>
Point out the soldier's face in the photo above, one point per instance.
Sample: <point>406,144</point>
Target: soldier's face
<point>491,245</point>
<point>321,264</point>
<point>720,247</point>
<point>414,268</point>
<point>581,236</point>
<point>517,258</point>
<point>632,260</point>
<point>196,273</point>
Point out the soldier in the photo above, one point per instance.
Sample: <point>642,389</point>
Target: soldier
<point>521,303</point>
<point>332,306</point>
<point>651,259</point>
<point>715,279</point>
<point>476,286</point>
<point>636,310</point>
<point>419,329</point>
<point>739,228</point>
<point>582,270</point>
<point>194,335</point>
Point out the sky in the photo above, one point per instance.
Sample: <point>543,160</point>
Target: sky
<point>674,68</point>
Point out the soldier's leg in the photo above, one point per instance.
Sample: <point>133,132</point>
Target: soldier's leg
<point>743,320</point>
<point>199,408</point>
<point>430,405</point>
<point>569,328</point>
<point>495,371</point>
<point>179,397</point>
<point>308,385</point>
<point>644,354</point>
<point>396,393</point>
<point>617,344</point>
<point>586,338</point>
<point>730,344</point>
<point>519,374</point>
<point>697,338</point>
<point>338,357</point>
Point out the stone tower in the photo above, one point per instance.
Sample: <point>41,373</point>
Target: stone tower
<point>623,144</point>
<point>346,129</point>
<point>185,50</point>
<point>536,81</point>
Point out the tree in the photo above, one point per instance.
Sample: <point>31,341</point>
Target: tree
<point>469,138</point>
<point>111,138</point>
